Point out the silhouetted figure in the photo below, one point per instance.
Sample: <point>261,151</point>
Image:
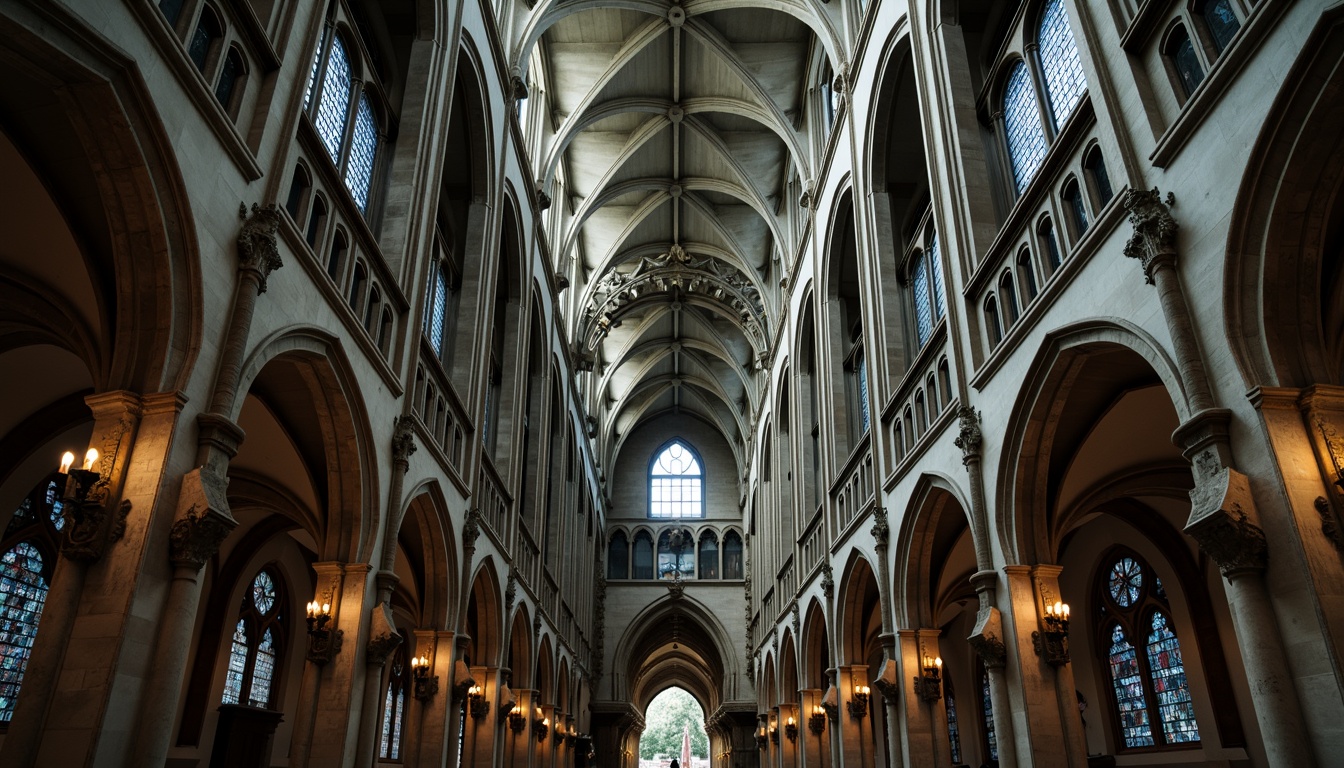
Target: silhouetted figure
<point>674,764</point>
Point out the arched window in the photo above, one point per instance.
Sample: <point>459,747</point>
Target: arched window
<point>1180,52</point>
<point>333,105</point>
<point>1008,294</point>
<point>336,262</point>
<point>1026,275</point>
<point>298,192</point>
<point>208,32</point>
<point>992,322</point>
<point>1045,232</point>
<point>1142,657</point>
<point>945,381</point>
<point>258,638</point>
<point>25,575</point>
<point>676,482</point>
<point>991,741</point>
<point>642,556</point>
<point>1065,82</point>
<point>1022,126</point>
<point>1098,179</point>
<point>618,557</point>
<point>230,75</point>
<point>363,147</point>
<point>708,555</point>
<point>394,705</point>
<point>357,286</point>
<point>1220,20</point>
<point>317,220</point>
<point>385,331</point>
<point>732,555</point>
<point>1076,209</point>
<point>436,307</point>
<point>926,280</point>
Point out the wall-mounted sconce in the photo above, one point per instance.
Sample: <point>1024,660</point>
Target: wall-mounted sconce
<point>90,527</point>
<point>817,722</point>
<point>929,685</point>
<point>476,703</point>
<point>761,738</point>
<point>323,643</point>
<point>517,721</point>
<point>1052,641</point>
<point>858,705</point>
<point>791,730</point>
<point>423,685</point>
<point>542,728</point>
<point>774,735</point>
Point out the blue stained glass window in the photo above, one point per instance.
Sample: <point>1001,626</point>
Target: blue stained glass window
<point>394,707</point>
<point>923,304</point>
<point>228,78</point>
<point>953,729</point>
<point>1188,68</point>
<point>23,593</point>
<point>676,483</point>
<point>936,269</point>
<point>263,592</point>
<point>863,391</point>
<point>1125,581</point>
<point>317,64</point>
<point>1022,126</point>
<point>987,706</point>
<point>1064,79</point>
<point>1130,701</point>
<point>363,147</point>
<point>1221,21</point>
<point>1167,670</point>
<point>263,670</point>
<point>335,100</point>
<point>233,678</point>
<point>437,309</point>
<point>203,38</point>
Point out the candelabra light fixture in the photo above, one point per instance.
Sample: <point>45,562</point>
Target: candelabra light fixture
<point>424,686</point>
<point>791,730</point>
<point>517,721</point>
<point>817,722</point>
<point>476,702</point>
<point>760,738</point>
<point>323,643</point>
<point>929,684</point>
<point>1052,640</point>
<point>90,525</point>
<point>858,705</point>
<point>542,727</point>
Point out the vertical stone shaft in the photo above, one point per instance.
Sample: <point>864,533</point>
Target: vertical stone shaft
<point>1189,359</point>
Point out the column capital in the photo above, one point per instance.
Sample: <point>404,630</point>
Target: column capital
<point>403,442</point>
<point>969,436</point>
<point>202,526</point>
<point>1220,520</point>
<point>1154,240</point>
<point>258,251</point>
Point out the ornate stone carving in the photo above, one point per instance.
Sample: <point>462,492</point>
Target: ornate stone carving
<point>969,436</point>
<point>1329,523</point>
<point>383,636</point>
<point>827,579</point>
<point>985,640</point>
<point>257,248</point>
<point>677,269</point>
<point>880,530</point>
<point>510,592</point>
<point>88,539</point>
<point>517,85</point>
<point>891,692</point>
<point>195,537</point>
<point>543,200</point>
<point>1235,543</point>
<point>403,441</point>
<point>797,620</point>
<point>676,587</point>
<point>1154,235</point>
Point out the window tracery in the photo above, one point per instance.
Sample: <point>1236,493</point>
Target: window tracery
<point>254,650</point>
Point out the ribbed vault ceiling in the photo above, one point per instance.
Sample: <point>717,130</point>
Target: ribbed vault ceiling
<point>676,127</point>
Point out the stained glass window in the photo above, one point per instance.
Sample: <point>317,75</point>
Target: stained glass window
<point>363,147</point>
<point>1129,698</point>
<point>394,707</point>
<point>1101,181</point>
<point>255,646</point>
<point>1073,203</point>
<point>334,103</point>
<point>317,65</point>
<point>642,556</point>
<point>618,557</point>
<point>23,593</point>
<point>436,310</point>
<point>203,38</point>
<point>1065,82</point>
<point>171,10</point>
<point>953,729</point>
<point>1153,703</point>
<point>987,708</point>
<point>708,556</point>
<point>1174,706</point>
<point>863,392</point>
<point>923,304</point>
<point>732,555</point>
<point>1221,21</point>
<point>676,483</point>
<point>228,78</point>
<point>1022,126</point>
<point>936,269</point>
<point>1183,58</point>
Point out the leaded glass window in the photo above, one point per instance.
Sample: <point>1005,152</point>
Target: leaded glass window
<point>363,147</point>
<point>254,649</point>
<point>1022,127</point>
<point>1065,82</point>
<point>1153,706</point>
<point>394,707</point>
<point>436,309</point>
<point>642,556</point>
<point>1077,209</point>
<point>987,710</point>
<point>1221,21</point>
<point>953,729</point>
<point>1181,51</point>
<point>229,75</point>
<point>618,557</point>
<point>676,483</point>
<point>708,556</point>
<point>732,555</point>
<point>334,102</point>
<point>23,593</point>
<point>203,38</point>
<point>864,418</point>
<point>926,280</point>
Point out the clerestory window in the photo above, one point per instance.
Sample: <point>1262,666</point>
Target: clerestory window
<point>676,482</point>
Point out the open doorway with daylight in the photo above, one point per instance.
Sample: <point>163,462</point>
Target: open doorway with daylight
<point>674,729</point>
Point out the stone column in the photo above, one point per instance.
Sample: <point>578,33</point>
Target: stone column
<point>925,717</point>
<point>987,638</point>
<point>383,641</point>
<point>329,585</point>
<point>1223,516</point>
<point>855,716</point>
<point>812,731</point>
<point>1046,579</point>
<point>333,739</point>
<point>436,717</point>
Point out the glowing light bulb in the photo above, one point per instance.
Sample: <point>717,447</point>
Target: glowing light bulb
<point>67,459</point>
<point>90,458</point>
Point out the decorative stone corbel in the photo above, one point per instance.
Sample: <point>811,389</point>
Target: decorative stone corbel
<point>887,682</point>
<point>881,530</point>
<point>986,639</point>
<point>199,529</point>
<point>510,592</point>
<point>1154,238</point>
<point>517,85</point>
<point>257,248</point>
<point>1220,520</point>
<point>383,636</point>
<point>827,579</point>
<point>969,436</point>
<point>543,200</point>
<point>403,442</point>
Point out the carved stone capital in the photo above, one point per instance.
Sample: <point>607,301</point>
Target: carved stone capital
<point>1220,508</point>
<point>827,579</point>
<point>881,530</point>
<point>403,441</point>
<point>510,592</point>
<point>383,636</point>
<point>257,248</point>
<point>1154,240</point>
<point>969,437</point>
<point>986,639</point>
<point>196,536</point>
<point>471,529</point>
